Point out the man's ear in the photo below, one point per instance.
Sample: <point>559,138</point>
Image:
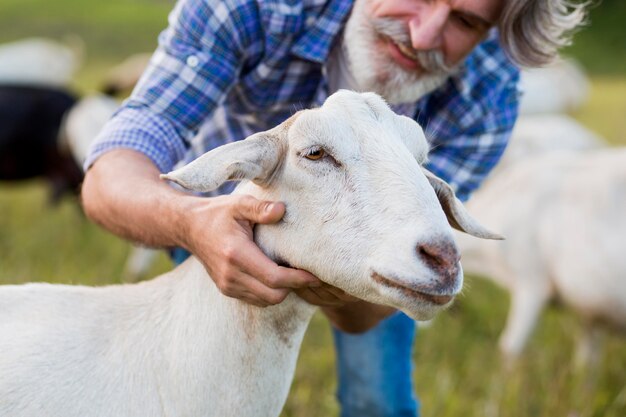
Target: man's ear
<point>457,216</point>
<point>255,158</point>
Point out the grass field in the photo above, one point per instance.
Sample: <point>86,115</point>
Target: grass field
<point>458,372</point>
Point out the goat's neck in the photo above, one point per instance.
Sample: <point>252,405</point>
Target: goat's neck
<point>282,324</point>
<point>257,348</point>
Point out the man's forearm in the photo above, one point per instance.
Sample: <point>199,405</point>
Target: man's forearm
<point>123,193</point>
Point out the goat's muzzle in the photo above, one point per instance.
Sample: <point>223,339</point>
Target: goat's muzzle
<point>425,294</point>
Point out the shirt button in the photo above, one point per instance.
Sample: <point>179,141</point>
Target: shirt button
<point>192,61</point>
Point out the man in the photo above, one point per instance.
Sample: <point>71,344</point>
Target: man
<point>242,66</point>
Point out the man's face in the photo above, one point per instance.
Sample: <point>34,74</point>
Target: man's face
<point>404,49</point>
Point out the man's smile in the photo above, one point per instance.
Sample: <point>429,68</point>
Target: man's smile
<point>403,55</point>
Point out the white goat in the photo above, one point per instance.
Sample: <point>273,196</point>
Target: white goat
<point>84,121</point>
<point>40,61</point>
<point>361,214</point>
<point>534,135</point>
<point>563,215</point>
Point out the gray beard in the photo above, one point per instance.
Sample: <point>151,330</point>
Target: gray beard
<point>380,74</point>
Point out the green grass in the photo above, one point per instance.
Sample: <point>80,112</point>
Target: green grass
<point>458,372</point>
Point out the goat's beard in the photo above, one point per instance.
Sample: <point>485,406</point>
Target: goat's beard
<point>373,70</point>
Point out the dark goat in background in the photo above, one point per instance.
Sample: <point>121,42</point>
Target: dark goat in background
<point>30,118</point>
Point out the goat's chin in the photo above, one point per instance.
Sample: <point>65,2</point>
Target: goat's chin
<point>423,312</point>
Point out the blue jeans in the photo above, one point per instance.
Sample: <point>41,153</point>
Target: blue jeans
<point>375,370</point>
<point>375,367</point>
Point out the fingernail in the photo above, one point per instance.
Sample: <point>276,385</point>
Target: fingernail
<point>269,207</point>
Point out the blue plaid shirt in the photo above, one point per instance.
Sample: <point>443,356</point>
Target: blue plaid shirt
<point>225,69</point>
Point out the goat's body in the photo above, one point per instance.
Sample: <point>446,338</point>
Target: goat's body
<point>214,354</point>
<point>30,118</point>
<point>563,215</point>
<point>39,62</point>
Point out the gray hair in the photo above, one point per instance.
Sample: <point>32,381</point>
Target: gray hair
<point>532,31</point>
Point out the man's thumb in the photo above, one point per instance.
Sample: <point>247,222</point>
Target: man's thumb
<point>259,211</point>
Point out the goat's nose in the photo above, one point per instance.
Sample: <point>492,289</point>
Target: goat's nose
<point>442,256</point>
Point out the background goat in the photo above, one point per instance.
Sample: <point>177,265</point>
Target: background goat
<point>30,118</point>
<point>563,215</point>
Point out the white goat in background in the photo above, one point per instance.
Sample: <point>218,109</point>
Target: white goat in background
<point>563,216</point>
<point>40,61</point>
<point>522,197</point>
<point>362,215</point>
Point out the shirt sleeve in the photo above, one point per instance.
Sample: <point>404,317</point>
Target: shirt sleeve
<point>197,62</point>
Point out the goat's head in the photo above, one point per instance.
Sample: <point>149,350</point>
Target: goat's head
<point>361,212</point>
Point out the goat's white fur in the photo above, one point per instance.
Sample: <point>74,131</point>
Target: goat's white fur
<point>541,128</point>
<point>40,61</point>
<point>84,121</point>
<point>563,215</point>
<point>175,346</point>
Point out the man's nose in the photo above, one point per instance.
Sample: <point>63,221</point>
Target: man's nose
<point>426,29</point>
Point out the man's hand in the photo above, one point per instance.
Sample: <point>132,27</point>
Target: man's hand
<point>219,231</point>
<point>357,317</point>
<point>325,295</point>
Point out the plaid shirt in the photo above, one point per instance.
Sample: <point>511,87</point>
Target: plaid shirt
<point>225,69</point>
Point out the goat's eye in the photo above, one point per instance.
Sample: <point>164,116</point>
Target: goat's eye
<point>315,154</point>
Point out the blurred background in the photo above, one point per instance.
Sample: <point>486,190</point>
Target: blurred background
<point>458,367</point>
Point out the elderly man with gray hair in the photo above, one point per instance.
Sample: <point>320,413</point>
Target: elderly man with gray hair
<point>225,69</point>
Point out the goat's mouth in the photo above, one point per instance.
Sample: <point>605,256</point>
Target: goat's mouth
<point>436,299</point>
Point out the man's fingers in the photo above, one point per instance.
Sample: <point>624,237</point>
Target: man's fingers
<point>256,264</point>
<point>259,211</point>
<point>318,297</point>
<point>338,293</point>
<point>269,296</point>
<point>247,288</point>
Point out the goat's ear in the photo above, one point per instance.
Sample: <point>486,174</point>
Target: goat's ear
<point>255,158</point>
<point>457,216</point>
<point>413,137</point>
